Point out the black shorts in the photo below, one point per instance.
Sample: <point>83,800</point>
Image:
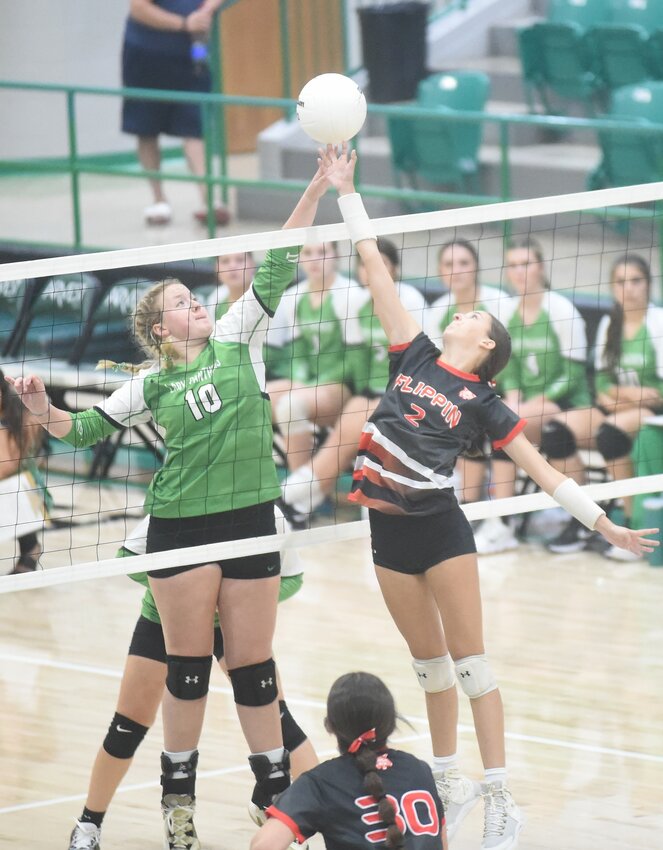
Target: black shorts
<point>414,544</point>
<point>144,69</point>
<point>147,641</point>
<point>254,521</point>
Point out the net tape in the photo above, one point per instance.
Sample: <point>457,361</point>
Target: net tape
<point>413,223</point>
<point>358,530</point>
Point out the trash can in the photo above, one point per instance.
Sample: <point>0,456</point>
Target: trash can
<point>393,41</point>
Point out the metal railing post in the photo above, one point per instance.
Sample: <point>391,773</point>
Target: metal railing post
<point>74,176</point>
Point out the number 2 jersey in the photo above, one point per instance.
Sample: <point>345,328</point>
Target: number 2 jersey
<point>331,799</point>
<point>430,414</point>
<point>214,412</point>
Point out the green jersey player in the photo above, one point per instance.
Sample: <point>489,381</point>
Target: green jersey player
<point>206,391</point>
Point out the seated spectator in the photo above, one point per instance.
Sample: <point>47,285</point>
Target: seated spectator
<point>316,327</point>
<point>21,438</point>
<point>629,377</point>
<point>309,485</point>
<point>547,374</point>
<point>458,268</point>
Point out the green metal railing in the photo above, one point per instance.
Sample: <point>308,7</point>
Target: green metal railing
<point>216,155</point>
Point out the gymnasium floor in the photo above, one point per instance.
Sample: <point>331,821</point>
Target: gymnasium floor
<point>575,641</point>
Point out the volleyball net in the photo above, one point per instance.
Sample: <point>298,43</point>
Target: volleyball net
<point>60,317</point>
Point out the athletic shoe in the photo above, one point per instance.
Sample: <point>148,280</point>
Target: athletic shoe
<point>179,831</point>
<point>85,836</point>
<point>494,536</point>
<point>503,820</point>
<point>296,520</point>
<point>616,553</point>
<point>597,543</point>
<point>459,796</point>
<point>572,538</point>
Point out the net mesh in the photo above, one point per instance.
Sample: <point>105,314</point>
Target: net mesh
<point>61,316</point>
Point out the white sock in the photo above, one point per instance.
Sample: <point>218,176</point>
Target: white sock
<point>302,490</point>
<point>442,763</point>
<point>275,756</point>
<point>179,758</point>
<point>496,775</point>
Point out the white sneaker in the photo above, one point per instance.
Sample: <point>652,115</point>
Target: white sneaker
<point>179,831</point>
<point>459,796</point>
<point>259,817</point>
<point>616,553</point>
<point>494,536</point>
<point>85,836</point>
<point>503,820</point>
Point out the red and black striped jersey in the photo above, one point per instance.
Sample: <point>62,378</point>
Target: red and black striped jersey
<point>331,799</point>
<point>430,414</point>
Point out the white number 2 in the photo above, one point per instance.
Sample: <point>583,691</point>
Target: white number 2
<point>208,399</point>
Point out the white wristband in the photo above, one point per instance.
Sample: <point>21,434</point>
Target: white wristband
<point>355,217</point>
<point>571,497</point>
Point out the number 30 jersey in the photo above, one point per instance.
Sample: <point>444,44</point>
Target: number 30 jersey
<point>214,412</point>
<point>430,414</point>
<point>331,799</point>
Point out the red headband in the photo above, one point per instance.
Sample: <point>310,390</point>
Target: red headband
<point>362,739</point>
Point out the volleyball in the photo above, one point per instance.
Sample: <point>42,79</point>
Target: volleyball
<point>331,108</point>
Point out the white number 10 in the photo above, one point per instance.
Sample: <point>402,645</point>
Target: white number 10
<point>208,399</point>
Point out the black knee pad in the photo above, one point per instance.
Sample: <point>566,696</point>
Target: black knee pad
<point>255,684</point>
<point>293,734</point>
<point>123,737</point>
<point>557,441</point>
<point>612,442</point>
<point>500,454</point>
<point>188,676</point>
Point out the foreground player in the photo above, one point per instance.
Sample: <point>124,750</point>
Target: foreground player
<point>371,793</point>
<point>434,409</point>
<point>206,390</point>
<point>141,692</point>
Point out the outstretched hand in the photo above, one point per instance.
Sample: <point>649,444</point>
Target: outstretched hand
<point>339,167</point>
<point>32,392</point>
<point>637,540</point>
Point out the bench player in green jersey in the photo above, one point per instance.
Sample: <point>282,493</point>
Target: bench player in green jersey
<point>629,378</point>
<point>317,328</point>
<point>307,487</point>
<point>141,690</point>
<point>206,391</point>
<point>547,373</point>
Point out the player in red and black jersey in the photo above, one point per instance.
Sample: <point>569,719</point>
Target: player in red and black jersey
<point>435,408</point>
<point>370,794</point>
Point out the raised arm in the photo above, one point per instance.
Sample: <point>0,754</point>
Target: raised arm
<point>303,214</point>
<point>571,497</point>
<point>398,324</point>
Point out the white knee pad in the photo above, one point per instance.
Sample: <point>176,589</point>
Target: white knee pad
<point>292,414</point>
<point>435,674</point>
<point>475,676</point>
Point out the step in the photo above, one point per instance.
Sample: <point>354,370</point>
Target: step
<point>505,72</point>
<point>503,37</point>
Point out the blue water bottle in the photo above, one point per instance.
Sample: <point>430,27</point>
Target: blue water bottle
<point>199,56</point>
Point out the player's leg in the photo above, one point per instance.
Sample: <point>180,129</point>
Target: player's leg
<point>455,587</point>
<point>247,611</point>
<point>187,605</point>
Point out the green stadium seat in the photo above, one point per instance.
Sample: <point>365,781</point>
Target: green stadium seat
<point>585,13</point>
<point>620,54</point>
<point>647,14</point>
<point>631,159</point>
<point>434,150</point>
<point>557,61</point>
<point>655,53</point>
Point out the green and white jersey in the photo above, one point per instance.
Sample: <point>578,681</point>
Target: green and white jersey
<point>548,356</point>
<point>214,413</point>
<point>319,337</point>
<point>371,362</point>
<point>641,359</point>
<point>441,312</point>
<point>222,302</point>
